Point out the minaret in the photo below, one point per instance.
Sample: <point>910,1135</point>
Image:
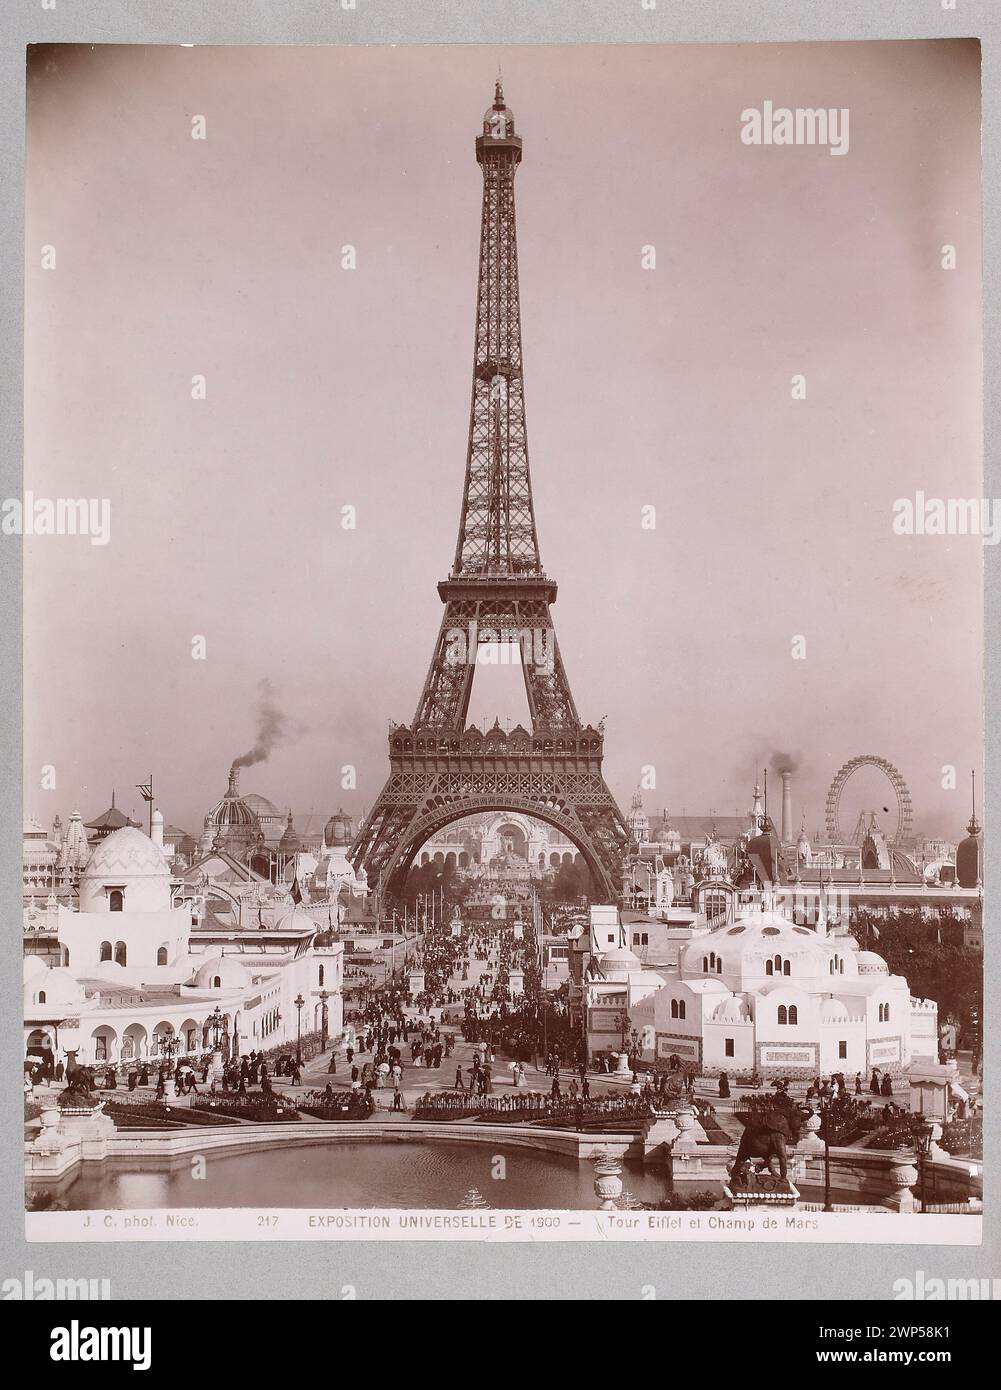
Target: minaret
<point>969,853</point>
<point>757,809</point>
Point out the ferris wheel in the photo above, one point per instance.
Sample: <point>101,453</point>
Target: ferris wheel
<point>905,809</point>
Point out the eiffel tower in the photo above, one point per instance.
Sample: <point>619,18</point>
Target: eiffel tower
<point>497,592</point>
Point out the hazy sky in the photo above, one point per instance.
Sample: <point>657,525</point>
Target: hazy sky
<point>669,387</point>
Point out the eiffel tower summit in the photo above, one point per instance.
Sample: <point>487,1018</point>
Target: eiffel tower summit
<point>440,770</point>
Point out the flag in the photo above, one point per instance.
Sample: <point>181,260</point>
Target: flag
<point>875,932</point>
<point>146,788</point>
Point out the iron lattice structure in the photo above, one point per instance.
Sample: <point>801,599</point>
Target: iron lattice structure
<point>497,591</point>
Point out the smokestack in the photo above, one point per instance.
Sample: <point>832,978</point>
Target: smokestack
<point>234,781</point>
<point>787,808</point>
<point>156,829</point>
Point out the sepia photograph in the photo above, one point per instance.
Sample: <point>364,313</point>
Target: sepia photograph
<point>504,532</point>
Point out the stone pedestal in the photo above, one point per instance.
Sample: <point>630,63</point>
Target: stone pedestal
<point>661,1132</point>
<point>690,1132</point>
<point>622,1067</point>
<point>810,1141</point>
<point>898,1180</point>
<point>935,1150</point>
<point>90,1128</point>
<point>607,1182</point>
<point>757,1196</point>
<point>50,1140</point>
<point>415,983</point>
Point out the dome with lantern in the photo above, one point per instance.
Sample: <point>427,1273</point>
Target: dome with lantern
<point>498,119</point>
<point>970,857</point>
<point>232,821</point>
<point>127,872</point>
<point>746,950</point>
<point>289,842</point>
<point>339,831</point>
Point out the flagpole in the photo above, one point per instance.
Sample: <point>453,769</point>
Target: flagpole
<point>146,791</point>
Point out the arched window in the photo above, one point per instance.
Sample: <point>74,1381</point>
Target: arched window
<point>161,956</point>
<point>116,900</point>
<point>121,953</point>
<point>705,965</point>
<point>785,967</point>
<point>106,951</point>
<point>41,996</point>
<point>793,1014</point>
<point>778,965</point>
<point>216,982</point>
<point>681,1008</point>
<point>782,1014</point>
<point>674,1008</point>
<point>831,969</point>
<point>768,967</point>
<point>321,976</point>
<point>841,966</point>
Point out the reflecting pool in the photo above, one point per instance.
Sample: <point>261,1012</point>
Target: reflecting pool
<point>355,1174</point>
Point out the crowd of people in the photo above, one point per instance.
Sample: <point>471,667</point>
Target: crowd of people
<point>535,1105</point>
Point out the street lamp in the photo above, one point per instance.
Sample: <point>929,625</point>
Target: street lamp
<point>217,1023</point>
<point>825,1115</point>
<point>324,996</point>
<point>168,1044</point>
<point>298,1001</point>
<point>923,1137</point>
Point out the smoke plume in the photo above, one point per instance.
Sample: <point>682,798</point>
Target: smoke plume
<point>784,762</point>
<point>272,727</point>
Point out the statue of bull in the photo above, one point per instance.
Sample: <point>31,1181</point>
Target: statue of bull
<point>767,1132</point>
